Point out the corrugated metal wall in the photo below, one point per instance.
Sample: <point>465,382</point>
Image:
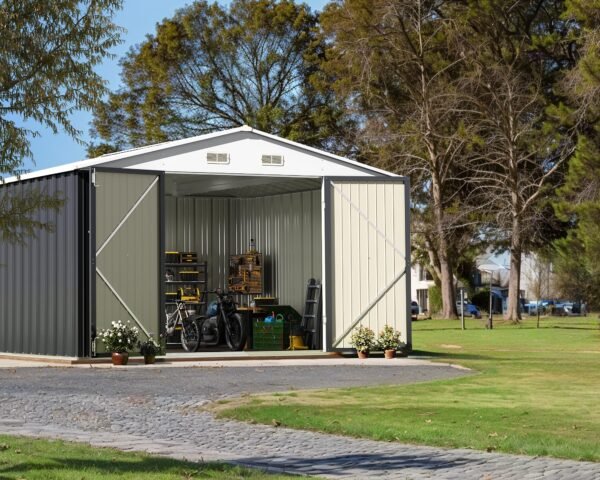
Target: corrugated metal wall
<point>286,228</point>
<point>39,281</point>
<point>368,252</point>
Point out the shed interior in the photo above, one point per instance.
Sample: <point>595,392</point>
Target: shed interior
<point>217,216</point>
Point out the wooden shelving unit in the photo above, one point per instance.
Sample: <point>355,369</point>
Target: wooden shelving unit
<point>246,273</point>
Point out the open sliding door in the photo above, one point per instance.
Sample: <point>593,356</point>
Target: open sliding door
<point>367,256</point>
<point>128,249</point>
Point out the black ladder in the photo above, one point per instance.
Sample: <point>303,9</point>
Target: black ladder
<point>311,320</point>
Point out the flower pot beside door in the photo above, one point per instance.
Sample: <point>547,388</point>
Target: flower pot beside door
<point>149,359</point>
<point>363,339</point>
<point>119,339</point>
<point>389,341</point>
<point>149,349</point>
<point>120,358</point>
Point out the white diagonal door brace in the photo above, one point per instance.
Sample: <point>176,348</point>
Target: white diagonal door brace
<point>107,241</point>
<point>114,292</point>
<point>363,314</point>
<point>127,215</point>
<point>388,287</point>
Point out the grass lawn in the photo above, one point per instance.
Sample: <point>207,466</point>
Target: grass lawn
<point>536,392</point>
<point>25,458</point>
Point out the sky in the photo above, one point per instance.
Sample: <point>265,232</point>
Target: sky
<point>139,18</point>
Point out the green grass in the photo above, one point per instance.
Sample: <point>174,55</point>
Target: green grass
<point>25,458</point>
<point>535,392</point>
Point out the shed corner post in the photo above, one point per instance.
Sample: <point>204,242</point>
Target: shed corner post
<point>326,250</point>
<point>407,257</point>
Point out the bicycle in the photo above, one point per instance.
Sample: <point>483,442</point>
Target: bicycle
<point>190,332</point>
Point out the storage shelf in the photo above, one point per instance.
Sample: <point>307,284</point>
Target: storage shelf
<point>187,302</point>
<point>185,281</point>
<point>185,264</point>
<point>179,271</point>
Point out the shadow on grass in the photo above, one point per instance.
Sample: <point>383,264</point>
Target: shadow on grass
<point>453,355</point>
<point>441,329</point>
<point>575,327</point>
<point>138,468</point>
<point>371,464</point>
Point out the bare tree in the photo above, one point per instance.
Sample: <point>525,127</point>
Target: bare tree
<point>518,163</point>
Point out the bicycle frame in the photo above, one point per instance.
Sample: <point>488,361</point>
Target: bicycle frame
<point>175,318</point>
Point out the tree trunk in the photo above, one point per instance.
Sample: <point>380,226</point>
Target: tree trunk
<point>447,287</point>
<point>513,311</point>
<point>446,277</point>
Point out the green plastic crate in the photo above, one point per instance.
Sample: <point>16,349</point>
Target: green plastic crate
<point>270,335</point>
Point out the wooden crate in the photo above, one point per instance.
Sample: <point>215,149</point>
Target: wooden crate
<point>246,273</point>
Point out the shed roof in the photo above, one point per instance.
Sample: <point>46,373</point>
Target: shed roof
<point>148,157</point>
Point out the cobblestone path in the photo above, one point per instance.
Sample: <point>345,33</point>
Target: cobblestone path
<point>154,409</point>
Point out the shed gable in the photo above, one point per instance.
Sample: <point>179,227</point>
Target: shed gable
<point>245,152</point>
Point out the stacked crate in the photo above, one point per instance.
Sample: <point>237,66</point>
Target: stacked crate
<point>272,335</point>
<point>246,273</point>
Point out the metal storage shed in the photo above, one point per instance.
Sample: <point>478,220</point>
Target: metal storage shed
<point>313,214</point>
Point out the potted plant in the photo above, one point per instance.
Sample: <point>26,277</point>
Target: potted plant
<point>118,340</point>
<point>149,349</point>
<point>363,339</point>
<point>389,341</point>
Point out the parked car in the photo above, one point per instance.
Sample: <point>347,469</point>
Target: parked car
<point>544,306</point>
<point>414,310</point>
<point>470,309</point>
<point>568,308</point>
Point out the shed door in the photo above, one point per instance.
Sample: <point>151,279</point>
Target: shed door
<point>128,247</point>
<point>367,243</point>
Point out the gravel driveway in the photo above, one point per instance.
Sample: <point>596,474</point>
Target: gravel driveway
<point>152,409</point>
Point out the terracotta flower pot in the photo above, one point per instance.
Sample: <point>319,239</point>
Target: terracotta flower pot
<point>120,358</point>
<point>391,353</point>
<point>362,354</point>
<point>149,359</point>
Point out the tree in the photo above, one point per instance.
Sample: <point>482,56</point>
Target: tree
<point>47,58</point>
<point>397,64</point>
<point>517,52</point>
<point>576,264</point>
<point>211,67</point>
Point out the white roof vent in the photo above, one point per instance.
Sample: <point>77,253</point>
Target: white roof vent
<point>220,158</point>
<point>272,160</point>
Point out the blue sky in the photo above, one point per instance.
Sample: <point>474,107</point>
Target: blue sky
<point>138,17</point>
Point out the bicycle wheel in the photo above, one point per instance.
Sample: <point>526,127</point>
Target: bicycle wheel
<point>235,332</point>
<point>190,335</point>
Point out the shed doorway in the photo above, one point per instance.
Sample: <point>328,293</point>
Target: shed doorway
<point>216,219</point>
